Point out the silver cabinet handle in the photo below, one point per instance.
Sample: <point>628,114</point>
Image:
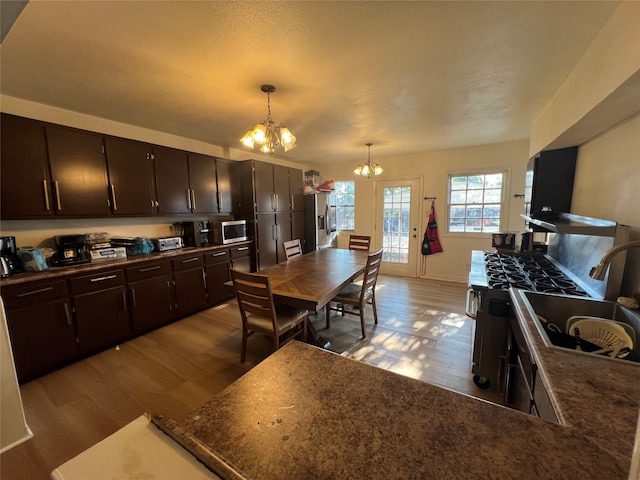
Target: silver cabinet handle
<point>148,269</point>
<point>189,260</point>
<point>46,195</point>
<point>293,203</point>
<point>274,234</point>
<point>157,203</point>
<point>67,313</point>
<point>124,301</point>
<point>219,198</point>
<point>240,249</point>
<point>219,254</point>
<point>133,297</point>
<point>193,198</point>
<point>113,197</point>
<point>277,200</point>
<point>34,292</point>
<point>56,187</point>
<point>100,279</point>
<point>189,198</point>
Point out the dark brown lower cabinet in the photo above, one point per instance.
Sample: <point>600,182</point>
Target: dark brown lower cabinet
<point>150,295</point>
<point>189,284</point>
<point>217,264</point>
<point>101,310</point>
<point>102,318</point>
<point>40,327</point>
<point>241,258</point>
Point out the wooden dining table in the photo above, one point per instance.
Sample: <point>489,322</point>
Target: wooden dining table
<point>310,281</point>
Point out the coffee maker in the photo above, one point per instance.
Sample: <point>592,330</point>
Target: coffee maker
<point>71,250</point>
<point>196,234</point>
<point>8,257</point>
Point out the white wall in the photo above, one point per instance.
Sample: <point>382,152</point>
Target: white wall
<point>433,168</point>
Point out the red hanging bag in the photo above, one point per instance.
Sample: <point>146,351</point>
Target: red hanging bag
<point>431,242</point>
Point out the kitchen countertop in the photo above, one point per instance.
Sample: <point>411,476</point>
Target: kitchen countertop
<point>308,413</point>
<point>59,272</point>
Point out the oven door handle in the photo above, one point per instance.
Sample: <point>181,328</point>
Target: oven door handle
<point>472,303</point>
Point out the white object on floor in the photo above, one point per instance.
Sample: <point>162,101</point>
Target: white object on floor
<point>137,450</point>
<point>13,426</point>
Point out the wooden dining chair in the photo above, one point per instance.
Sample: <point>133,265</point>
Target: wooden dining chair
<point>359,242</point>
<point>358,295</point>
<point>292,248</point>
<point>260,314</point>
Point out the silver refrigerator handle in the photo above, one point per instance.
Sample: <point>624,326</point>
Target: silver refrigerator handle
<point>327,218</point>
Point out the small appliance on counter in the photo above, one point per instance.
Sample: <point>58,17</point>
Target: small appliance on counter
<point>33,259</point>
<point>196,234</point>
<point>8,257</point>
<point>72,250</point>
<point>164,244</point>
<point>503,241</point>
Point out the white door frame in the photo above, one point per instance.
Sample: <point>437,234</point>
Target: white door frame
<point>410,269</point>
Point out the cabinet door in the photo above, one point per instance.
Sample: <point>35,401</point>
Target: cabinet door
<point>295,190</point>
<point>78,172</point>
<point>266,240</point>
<point>223,181</point>
<point>217,275</point>
<point>202,180</point>
<point>190,291</point>
<point>102,318</point>
<point>172,180</point>
<point>263,185</point>
<point>130,176</point>
<point>151,303</point>
<point>42,338</point>
<point>283,232</point>
<point>281,188</point>
<point>26,186</point>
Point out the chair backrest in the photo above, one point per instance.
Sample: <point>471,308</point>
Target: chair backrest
<point>359,242</point>
<point>370,276</point>
<point>253,292</point>
<point>292,248</point>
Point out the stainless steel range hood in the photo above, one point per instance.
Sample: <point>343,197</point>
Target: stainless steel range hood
<point>557,222</point>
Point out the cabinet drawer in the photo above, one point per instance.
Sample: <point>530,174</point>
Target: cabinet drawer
<point>33,293</point>
<point>241,251</point>
<point>146,270</point>
<point>97,281</point>
<point>217,256</point>
<point>187,262</point>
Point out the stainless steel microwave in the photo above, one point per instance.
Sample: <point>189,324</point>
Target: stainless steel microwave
<point>229,232</point>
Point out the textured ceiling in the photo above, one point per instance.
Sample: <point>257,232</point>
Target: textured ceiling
<point>407,76</point>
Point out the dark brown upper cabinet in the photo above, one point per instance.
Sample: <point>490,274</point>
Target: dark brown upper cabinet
<point>172,180</point>
<point>131,182</point>
<point>202,183</point>
<point>26,184</point>
<point>224,173</point>
<point>78,172</point>
<point>295,190</point>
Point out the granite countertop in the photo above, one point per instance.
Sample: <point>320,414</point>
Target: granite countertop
<point>308,413</point>
<point>61,272</point>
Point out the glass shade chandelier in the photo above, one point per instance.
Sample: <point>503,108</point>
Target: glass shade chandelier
<point>369,168</point>
<point>269,135</point>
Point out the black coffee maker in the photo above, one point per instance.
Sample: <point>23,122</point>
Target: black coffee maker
<point>71,250</point>
<point>11,263</point>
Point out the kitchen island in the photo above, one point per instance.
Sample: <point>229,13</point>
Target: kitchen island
<point>309,413</point>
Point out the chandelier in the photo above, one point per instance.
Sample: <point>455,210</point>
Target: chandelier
<point>269,134</point>
<point>369,168</point>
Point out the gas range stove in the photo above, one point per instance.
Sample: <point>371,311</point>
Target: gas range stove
<point>527,271</point>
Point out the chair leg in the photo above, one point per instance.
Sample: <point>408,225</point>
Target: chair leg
<point>243,348</point>
<point>375,310</point>
<point>327,308</point>
<point>364,334</point>
<point>305,330</point>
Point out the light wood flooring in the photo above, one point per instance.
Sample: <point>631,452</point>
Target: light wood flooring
<point>423,333</point>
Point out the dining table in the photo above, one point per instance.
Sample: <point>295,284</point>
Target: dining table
<point>311,280</point>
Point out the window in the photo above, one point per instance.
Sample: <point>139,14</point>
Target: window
<point>344,198</point>
<point>475,202</point>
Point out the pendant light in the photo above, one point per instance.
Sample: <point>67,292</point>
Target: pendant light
<point>369,168</point>
<point>269,134</point>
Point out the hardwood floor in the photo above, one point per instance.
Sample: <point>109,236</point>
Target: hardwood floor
<point>423,333</point>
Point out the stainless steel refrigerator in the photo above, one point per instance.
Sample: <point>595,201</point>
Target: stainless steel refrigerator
<point>319,222</point>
